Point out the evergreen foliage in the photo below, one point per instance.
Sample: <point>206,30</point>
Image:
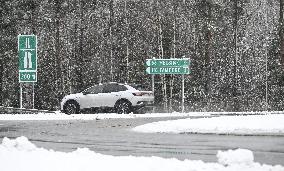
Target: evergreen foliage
<point>235,47</point>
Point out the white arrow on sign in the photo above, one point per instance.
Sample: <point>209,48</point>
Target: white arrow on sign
<point>28,60</point>
<point>148,62</point>
<point>148,70</point>
<point>28,43</point>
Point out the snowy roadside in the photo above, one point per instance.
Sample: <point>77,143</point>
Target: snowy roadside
<point>21,154</point>
<point>62,116</point>
<point>237,125</point>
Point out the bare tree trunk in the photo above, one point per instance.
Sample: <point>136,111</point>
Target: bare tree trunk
<point>266,56</point>
<point>127,43</point>
<point>79,58</point>
<point>207,55</point>
<point>2,58</point>
<point>162,57</point>
<point>174,56</point>
<point>57,52</point>
<point>1,79</point>
<point>281,31</point>
<point>81,39</point>
<point>235,69</point>
<point>111,17</point>
<point>76,62</point>
<point>75,55</point>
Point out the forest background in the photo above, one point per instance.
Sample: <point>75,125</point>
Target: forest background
<point>236,49</point>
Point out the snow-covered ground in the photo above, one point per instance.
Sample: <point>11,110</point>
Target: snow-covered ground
<point>240,125</point>
<point>20,154</point>
<point>62,116</point>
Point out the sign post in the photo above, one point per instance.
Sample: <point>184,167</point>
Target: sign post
<point>21,96</point>
<point>153,90</point>
<point>169,66</point>
<point>27,50</point>
<point>182,92</point>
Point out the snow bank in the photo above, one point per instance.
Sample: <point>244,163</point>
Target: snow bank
<point>62,116</point>
<point>20,154</point>
<point>240,125</point>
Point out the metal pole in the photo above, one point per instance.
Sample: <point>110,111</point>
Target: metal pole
<point>21,96</point>
<point>165,93</point>
<point>153,90</point>
<point>182,91</point>
<point>33,95</point>
<point>153,84</point>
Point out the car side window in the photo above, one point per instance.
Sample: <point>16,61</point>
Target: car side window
<point>98,89</point>
<point>108,88</point>
<point>121,88</point>
<point>94,90</point>
<point>114,88</point>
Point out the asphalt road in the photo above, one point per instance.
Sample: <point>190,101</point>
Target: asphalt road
<point>114,137</point>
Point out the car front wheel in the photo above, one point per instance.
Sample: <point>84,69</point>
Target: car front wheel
<point>123,107</point>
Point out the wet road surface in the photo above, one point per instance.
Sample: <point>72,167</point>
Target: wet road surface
<point>114,137</point>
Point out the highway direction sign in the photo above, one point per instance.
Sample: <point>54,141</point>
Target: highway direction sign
<point>168,66</point>
<point>27,49</point>
<point>168,70</point>
<point>168,62</point>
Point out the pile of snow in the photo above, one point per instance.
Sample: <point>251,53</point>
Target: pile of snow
<point>20,154</point>
<point>239,125</point>
<point>240,156</point>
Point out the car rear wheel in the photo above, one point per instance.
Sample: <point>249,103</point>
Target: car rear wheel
<point>123,107</point>
<point>71,108</point>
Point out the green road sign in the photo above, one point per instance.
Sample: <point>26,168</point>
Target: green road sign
<point>168,66</point>
<point>168,70</point>
<point>27,50</point>
<point>28,76</point>
<point>184,62</point>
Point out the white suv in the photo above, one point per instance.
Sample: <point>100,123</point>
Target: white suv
<point>121,97</point>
